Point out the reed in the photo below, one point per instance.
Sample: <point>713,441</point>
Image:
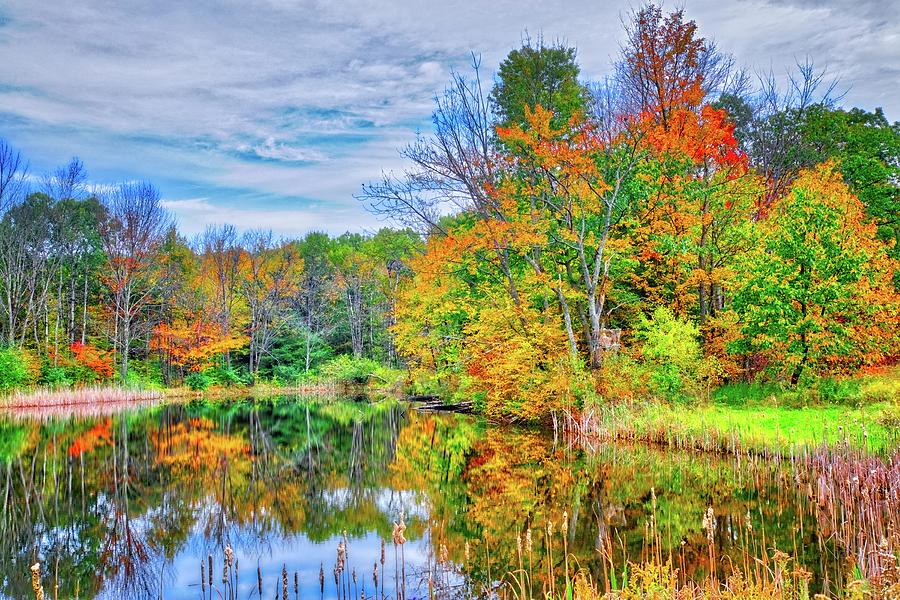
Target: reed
<point>857,500</point>
<point>69,397</point>
<point>731,434</point>
<point>853,494</point>
<point>347,584</point>
<point>655,576</point>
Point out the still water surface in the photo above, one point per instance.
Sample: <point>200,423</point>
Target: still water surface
<point>128,504</point>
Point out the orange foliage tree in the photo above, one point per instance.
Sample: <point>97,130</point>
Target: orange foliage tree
<point>99,362</point>
<point>194,344</point>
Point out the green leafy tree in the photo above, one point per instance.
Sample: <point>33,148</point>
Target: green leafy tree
<point>13,369</point>
<point>537,74</point>
<point>672,348</point>
<point>817,291</point>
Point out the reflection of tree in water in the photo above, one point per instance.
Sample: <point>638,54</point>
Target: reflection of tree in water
<point>110,502</point>
<point>517,480</point>
<point>129,558</point>
<point>105,503</point>
<point>75,517</point>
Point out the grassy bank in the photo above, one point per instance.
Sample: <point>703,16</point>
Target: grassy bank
<point>772,429</point>
<point>862,413</point>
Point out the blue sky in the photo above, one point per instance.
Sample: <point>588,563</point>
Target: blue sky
<point>271,114</point>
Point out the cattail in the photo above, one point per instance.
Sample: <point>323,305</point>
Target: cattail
<point>519,545</point>
<point>443,555</point>
<point>296,586</point>
<point>210,574</point>
<point>284,582</point>
<point>565,523</point>
<point>549,528</point>
<point>397,535</point>
<point>382,554</point>
<point>36,581</point>
<point>203,577</point>
<point>341,554</point>
<point>229,560</point>
<point>709,524</point>
<point>259,580</point>
<point>747,523</point>
<point>528,544</point>
<point>375,575</point>
<point>322,578</point>
<point>467,552</point>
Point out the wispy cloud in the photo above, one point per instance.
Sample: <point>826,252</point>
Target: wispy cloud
<point>296,103</point>
<point>195,214</point>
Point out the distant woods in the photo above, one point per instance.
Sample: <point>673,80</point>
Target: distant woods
<point>92,279</point>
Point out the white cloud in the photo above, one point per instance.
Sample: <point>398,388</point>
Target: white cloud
<point>311,98</point>
<point>195,214</point>
<point>284,152</point>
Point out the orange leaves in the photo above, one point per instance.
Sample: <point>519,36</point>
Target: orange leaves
<point>704,136</point>
<point>568,152</point>
<point>98,361</point>
<point>98,435</point>
<point>194,345</point>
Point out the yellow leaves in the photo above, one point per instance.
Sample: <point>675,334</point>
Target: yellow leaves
<point>519,360</point>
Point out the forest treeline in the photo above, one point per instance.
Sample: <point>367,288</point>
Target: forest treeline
<point>99,286</point>
<point>676,225</point>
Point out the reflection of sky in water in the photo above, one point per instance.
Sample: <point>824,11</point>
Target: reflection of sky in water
<point>272,550</point>
<point>305,557</point>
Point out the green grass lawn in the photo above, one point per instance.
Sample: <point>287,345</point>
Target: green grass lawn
<point>776,427</point>
<point>863,412</point>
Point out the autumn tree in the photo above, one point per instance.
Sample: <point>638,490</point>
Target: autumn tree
<point>694,192</point>
<point>222,259</point>
<point>568,198</point>
<point>270,283</point>
<point>817,293</point>
<point>665,65</point>
<point>134,228</point>
<point>194,344</point>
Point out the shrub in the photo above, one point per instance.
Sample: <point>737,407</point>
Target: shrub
<point>56,377</point>
<point>198,381</point>
<point>672,349</point>
<point>623,379</point>
<point>96,360</point>
<point>347,369</point>
<point>288,373</point>
<point>226,376</point>
<point>833,390</point>
<point>14,369</point>
<point>882,388</point>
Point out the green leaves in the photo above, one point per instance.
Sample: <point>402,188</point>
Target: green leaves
<point>815,282</point>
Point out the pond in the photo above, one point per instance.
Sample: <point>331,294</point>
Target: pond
<point>136,503</point>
